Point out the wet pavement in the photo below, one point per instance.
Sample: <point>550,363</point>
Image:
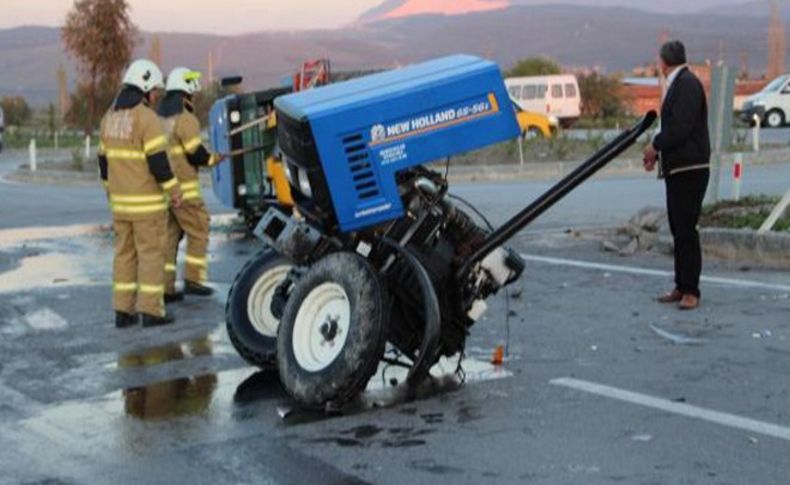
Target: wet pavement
<point>81,402</point>
<point>600,384</point>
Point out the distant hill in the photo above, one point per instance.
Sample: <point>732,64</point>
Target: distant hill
<point>407,8</point>
<point>396,8</point>
<point>613,38</point>
<point>755,8</point>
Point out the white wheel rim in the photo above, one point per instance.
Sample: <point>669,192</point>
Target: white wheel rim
<point>773,119</point>
<point>259,302</point>
<point>321,327</point>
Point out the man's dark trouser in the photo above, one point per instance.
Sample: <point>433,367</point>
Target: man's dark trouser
<point>685,193</point>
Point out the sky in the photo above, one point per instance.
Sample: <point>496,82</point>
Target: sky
<point>209,16</point>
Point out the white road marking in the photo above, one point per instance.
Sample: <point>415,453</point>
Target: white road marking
<point>687,410</point>
<point>616,268</point>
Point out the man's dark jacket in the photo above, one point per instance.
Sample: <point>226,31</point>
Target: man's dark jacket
<point>684,141</point>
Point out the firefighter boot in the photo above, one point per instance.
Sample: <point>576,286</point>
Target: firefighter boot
<point>174,297</point>
<point>192,288</point>
<point>154,321</point>
<point>124,320</point>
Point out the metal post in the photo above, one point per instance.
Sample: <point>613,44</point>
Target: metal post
<point>776,213</point>
<point>57,139</point>
<point>737,174</point>
<point>521,150</point>
<point>756,134</point>
<point>87,147</point>
<point>32,151</point>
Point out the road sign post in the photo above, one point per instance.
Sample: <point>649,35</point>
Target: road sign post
<point>720,122</point>
<point>33,154</point>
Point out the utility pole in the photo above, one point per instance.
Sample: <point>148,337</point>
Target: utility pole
<point>155,51</point>
<point>63,94</point>
<point>210,68</point>
<point>776,44</point>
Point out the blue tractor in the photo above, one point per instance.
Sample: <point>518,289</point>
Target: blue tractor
<point>377,254</point>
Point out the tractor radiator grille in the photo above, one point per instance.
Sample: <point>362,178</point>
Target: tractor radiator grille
<point>362,173</point>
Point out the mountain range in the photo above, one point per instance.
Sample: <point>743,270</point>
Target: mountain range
<point>613,38</point>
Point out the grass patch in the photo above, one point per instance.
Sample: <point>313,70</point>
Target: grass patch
<point>556,149</point>
<point>747,213</point>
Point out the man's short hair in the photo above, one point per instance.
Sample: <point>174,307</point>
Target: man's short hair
<point>673,53</point>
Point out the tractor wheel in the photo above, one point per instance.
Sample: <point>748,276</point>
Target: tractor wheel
<point>333,331</point>
<point>775,118</point>
<point>252,327</point>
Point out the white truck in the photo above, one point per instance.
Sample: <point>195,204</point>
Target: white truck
<point>555,96</point>
<point>771,106</point>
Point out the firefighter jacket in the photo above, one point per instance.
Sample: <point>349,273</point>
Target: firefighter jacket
<point>186,151</point>
<point>133,161</point>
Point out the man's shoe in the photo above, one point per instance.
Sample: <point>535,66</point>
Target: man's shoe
<point>688,302</point>
<point>154,321</point>
<point>673,296</point>
<point>192,288</point>
<point>125,320</point>
<point>174,297</point>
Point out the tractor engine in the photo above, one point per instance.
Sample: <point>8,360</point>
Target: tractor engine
<point>441,235</point>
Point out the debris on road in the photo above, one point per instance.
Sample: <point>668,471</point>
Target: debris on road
<point>639,234</point>
<point>676,339</point>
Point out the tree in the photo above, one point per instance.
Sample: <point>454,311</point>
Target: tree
<point>17,111</point>
<point>78,113</point>
<point>534,66</point>
<point>602,96</point>
<point>100,35</point>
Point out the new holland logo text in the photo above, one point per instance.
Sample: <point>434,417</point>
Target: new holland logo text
<point>380,133</point>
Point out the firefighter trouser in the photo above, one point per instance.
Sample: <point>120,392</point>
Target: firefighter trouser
<point>138,279</point>
<point>191,219</point>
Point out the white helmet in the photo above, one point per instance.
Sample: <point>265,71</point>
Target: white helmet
<point>145,75</point>
<point>183,79</point>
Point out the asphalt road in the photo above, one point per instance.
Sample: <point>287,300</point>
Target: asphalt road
<point>601,384</point>
<point>602,201</point>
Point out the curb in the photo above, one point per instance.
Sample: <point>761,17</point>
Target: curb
<point>744,246</point>
<point>770,249</point>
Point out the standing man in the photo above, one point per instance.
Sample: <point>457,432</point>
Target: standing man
<point>187,154</point>
<point>682,149</point>
<point>136,173</point>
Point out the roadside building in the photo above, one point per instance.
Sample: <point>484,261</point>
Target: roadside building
<point>643,93</point>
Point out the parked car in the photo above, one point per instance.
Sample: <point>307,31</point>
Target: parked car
<point>556,96</point>
<point>535,125</point>
<point>771,105</point>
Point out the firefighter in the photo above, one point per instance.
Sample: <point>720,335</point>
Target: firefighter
<point>187,155</point>
<point>136,173</point>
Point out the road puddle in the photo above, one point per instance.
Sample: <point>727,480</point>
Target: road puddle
<point>166,353</point>
<point>56,265</point>
<point>196,395</point>
<point>234,404</point>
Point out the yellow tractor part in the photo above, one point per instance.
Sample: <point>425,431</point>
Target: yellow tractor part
<point>276,171</point>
